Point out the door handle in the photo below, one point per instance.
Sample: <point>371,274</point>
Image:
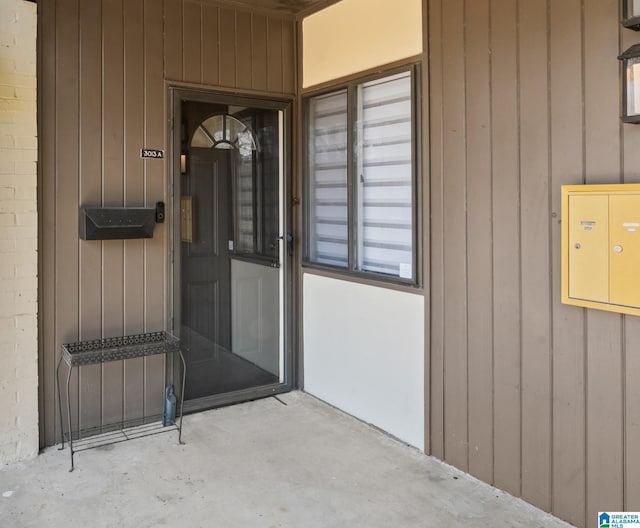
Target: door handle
<point>289,239</point>
<point>290,243</point>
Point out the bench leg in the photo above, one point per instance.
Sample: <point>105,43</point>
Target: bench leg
<point>69,417</point>
<point>184,378</point>
<point>60,403</point>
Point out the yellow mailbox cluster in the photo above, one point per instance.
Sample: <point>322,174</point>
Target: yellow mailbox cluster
<point>601,247</point>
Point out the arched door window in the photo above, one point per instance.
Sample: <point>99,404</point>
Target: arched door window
<point>223,131</point>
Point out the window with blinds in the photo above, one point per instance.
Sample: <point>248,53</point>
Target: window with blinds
<point>385,176</point>
<point>361,177</point>
<point>327,169</point>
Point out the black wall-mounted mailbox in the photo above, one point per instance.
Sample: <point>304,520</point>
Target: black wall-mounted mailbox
<point>116,223</point>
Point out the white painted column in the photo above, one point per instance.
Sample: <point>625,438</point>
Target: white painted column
<point>18,233</point>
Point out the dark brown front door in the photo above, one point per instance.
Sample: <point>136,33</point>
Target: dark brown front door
<point>206,293</point>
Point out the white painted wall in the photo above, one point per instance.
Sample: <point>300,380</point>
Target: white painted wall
<point>18,232</point>
<point>364,353</point>
<point>363,34</point>
<point>255,314</point>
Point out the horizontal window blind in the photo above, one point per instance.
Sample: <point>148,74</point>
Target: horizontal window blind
<point>361,177</point>
<point>384,176</point>
<point>245,221</point>
<point>327,180</point>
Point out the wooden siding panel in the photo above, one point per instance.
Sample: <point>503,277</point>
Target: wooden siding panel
<point>455,280</point>
<point>210,45</point>
<point>506,247</point>
<point>46,216</point>
<point>155,185</point>
<point>113,195</point>
<point>90,194</point>
<point>479,236</point>
<point>67,171</point>
<point>173,69</point>
<point>631,439</point>
<point>534,242</point>
<point>227,47</point>
<point>192,41</point>
<point>424,222</point>
<point>288,57</point>
<point>259,52</point>
<point>604,340</point>
<point>568,479</point>
<point>604,414</point>
<point>436,94</point>
<point>244,62</point>
<point>133,314</point>
<point>631,365</point>
<point>274,55</point>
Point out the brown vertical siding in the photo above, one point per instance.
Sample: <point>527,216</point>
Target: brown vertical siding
<point>192,41</point>
<point>455,280</point>
<point>173,49</point>
<point>288,49</point>
<point>631,358</point>
<point>535,253</point>
<point>436,298</point>
<point>526,93</point>
<point>133,315</point>
<point>103,78</point>
<point>275,70</point>
<point>46,219</point>
<point>479,253</point>
<point>210,47</point>
<point>67,163</point>
<point>604,331</point>
<point>567,166</point>
<point>425,220</point>
<point>90,302</point>
<point>506,245</point>
<point>259,53</point>
<point>112,194</point>
<point>243,49</point>
<point>154,177</point>
<point>227,52</point>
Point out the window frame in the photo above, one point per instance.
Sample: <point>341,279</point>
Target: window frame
<point>351,87</point>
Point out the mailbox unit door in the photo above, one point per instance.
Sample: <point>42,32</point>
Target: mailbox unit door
<point>588,247</point>
<point>624,249</point>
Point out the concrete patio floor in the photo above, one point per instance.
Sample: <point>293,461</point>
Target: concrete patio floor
<point>263,464</point>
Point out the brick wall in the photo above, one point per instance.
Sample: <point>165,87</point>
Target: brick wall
<point>18,233</point>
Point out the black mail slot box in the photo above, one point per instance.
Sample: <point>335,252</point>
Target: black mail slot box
<point>116,223</point>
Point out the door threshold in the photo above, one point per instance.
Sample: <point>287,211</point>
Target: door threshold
<point>232,398</point>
